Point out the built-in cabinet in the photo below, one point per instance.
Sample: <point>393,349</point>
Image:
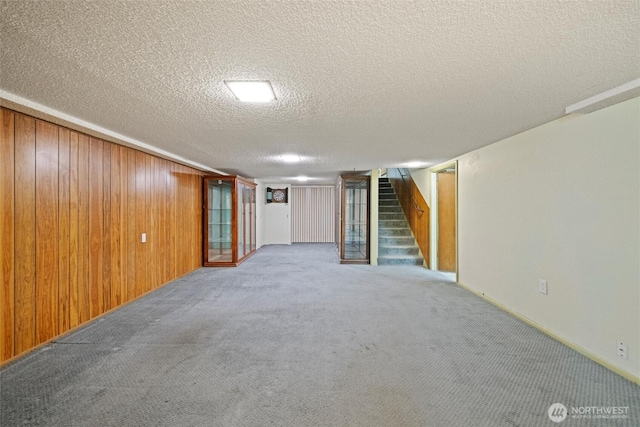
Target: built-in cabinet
<point>229,220</point>
<point>352,218</point>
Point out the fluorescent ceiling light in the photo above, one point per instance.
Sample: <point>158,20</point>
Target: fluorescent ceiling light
<point>252,91</point>
<point>633,84</point>
<point>302,178</point>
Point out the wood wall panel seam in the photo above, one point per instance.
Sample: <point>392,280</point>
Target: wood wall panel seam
<point>84,291</point>
<point>131,225</point>
<point>7,235</point>
<point>73,231</point>
<point>47,168</point>
<point>63,231</point>
<point>95,226</point>
<point>139,226</point>
<point>106,226</point>
<point>25,217</point>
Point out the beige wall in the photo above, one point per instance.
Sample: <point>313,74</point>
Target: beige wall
<point>560,202</point>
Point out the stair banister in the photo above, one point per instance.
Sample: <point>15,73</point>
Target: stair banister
<point>406,184</point>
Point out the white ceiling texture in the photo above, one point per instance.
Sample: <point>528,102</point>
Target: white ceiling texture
<point>359,84</point>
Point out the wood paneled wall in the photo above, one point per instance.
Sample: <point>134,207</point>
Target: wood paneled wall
<point>73,212</point>
<point>408,192</point>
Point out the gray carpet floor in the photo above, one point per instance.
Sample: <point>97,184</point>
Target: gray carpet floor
<point>292,338</point>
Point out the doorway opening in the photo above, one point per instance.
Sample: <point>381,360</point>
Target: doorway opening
<point>444,219</point>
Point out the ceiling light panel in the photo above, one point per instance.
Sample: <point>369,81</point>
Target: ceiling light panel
<point>289,158</point>
<point>415,164</point>
<point>251,91</point>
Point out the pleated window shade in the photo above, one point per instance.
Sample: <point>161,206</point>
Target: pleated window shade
<point>312,214</point>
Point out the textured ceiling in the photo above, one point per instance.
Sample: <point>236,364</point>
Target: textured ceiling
<point>360,84</point>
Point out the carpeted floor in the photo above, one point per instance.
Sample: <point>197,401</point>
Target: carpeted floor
<point>291,338</point>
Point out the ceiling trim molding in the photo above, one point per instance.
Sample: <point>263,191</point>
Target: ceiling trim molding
<point>26,106</point>
<point>581,106</point>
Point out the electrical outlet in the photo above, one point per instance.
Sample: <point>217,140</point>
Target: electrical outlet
<point>621,347</point>
<point>542,286</point>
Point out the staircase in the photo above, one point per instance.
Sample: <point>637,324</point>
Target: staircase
<point>396,244</point>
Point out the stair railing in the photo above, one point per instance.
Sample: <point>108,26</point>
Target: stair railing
<point>408,187</point>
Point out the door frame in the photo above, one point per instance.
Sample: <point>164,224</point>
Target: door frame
<point>453,164</point>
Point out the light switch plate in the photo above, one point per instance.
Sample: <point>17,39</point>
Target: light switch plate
<point>144,237</point>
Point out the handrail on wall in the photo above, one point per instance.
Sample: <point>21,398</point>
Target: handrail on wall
<point>415,204</point>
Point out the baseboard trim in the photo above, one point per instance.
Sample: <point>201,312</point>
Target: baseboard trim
<point>627,375</point>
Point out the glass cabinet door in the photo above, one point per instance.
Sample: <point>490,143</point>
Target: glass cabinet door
<point>220,238</point>
<point>230,221</point>
<point>253,218</point>
<point>240,222</point>
<point>353,216</point>
<point>247,220</point>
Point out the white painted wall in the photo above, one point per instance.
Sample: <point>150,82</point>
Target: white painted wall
<point>276,219</point>
<point>560,202</point>
<point>422,177</point>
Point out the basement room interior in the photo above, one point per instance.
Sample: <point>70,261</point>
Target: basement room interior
<point>297,213</point>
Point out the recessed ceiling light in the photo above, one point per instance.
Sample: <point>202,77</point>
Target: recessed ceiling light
<point>289,158</point>
<point>302,178</point>
<point>414,165</point>
<point>252,91</point>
